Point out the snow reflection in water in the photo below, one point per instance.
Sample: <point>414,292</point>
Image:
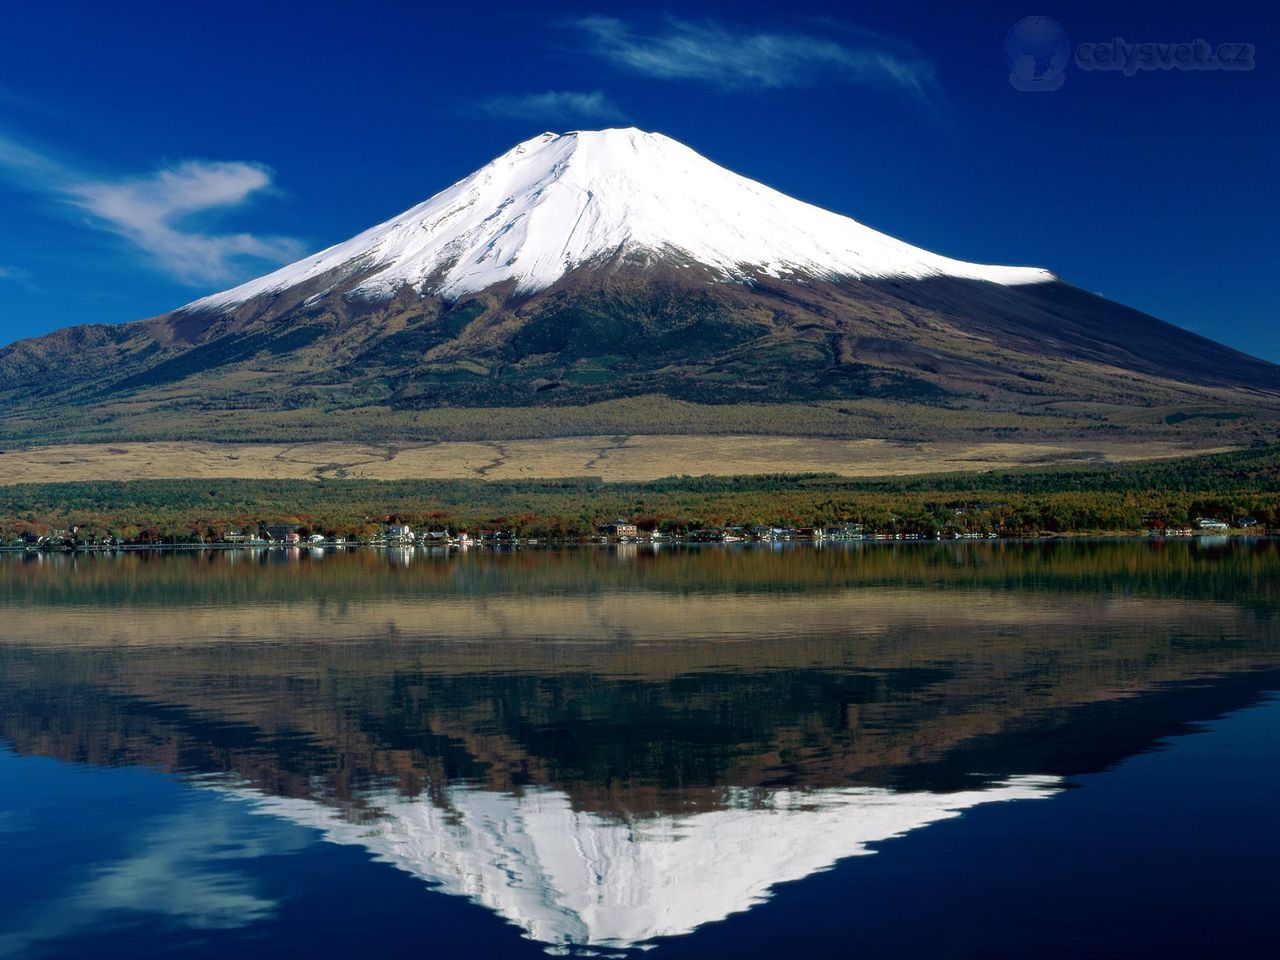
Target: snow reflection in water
<point>572,878</point>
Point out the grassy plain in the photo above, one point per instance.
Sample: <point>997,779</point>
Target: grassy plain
<point>634,458</point>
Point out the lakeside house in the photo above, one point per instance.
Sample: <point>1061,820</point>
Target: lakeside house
<point>399,533</point>
<point>283,533</point>
<point>619,530</point>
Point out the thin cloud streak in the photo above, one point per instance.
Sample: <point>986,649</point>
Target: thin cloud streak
<point>153,211</point>
<point>22,279</point>
<point>558,105</point>
<point>733,58</point>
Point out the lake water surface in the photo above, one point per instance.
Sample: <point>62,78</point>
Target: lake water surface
<point>977,750</point>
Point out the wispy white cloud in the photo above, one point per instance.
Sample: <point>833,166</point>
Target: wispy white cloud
<point>23,162</point>
<point>150,212</point>
<point>559,105</point>
<point>22,279</point>
<point>161,213</point>
<point>736,58</point>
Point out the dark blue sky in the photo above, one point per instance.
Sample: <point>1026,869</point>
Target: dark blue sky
<point>151,153</point>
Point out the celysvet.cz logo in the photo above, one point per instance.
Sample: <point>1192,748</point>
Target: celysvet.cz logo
<point>1038,53</point>
<point>1131,58</point>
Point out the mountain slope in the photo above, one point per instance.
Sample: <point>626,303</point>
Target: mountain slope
<point>616,282</point>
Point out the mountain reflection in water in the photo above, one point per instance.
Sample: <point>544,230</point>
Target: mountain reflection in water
<point>608,749</point>
<point>568,877</point>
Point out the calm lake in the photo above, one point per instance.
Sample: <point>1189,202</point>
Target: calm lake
<point>906,751</point>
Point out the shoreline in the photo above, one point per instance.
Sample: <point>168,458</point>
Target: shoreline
<point>543,544</point>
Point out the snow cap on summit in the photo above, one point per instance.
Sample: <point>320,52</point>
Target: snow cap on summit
<point>558,201</point>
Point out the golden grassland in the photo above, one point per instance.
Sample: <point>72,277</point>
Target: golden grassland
<point>609,458</point>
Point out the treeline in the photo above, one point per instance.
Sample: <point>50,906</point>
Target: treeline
<point>1016,503</point>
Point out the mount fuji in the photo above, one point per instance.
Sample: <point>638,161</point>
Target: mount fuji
<point>616,282</point>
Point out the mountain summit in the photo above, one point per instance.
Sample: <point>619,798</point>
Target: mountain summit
<point>560,201</point>
<point>616,283</point>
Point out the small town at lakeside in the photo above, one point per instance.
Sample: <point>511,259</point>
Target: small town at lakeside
<point>398,534</point>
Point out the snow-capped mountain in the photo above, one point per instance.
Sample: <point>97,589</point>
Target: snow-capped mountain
<point>620,272</point>
<point>559,201</point>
